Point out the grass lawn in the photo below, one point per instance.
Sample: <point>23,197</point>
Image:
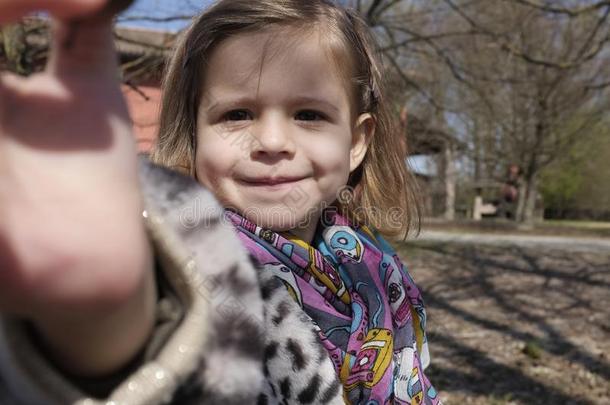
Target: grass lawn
<point>576,224</point>
<point>547,227</point>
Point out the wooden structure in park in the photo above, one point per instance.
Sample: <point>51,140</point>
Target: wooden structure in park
<point>142,55</point>
<point>439,192</point>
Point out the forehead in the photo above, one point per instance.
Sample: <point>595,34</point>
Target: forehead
<point>296,60</point>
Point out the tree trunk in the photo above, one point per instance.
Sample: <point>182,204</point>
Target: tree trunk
<point>450,177</point>
<point>477,154</point>
<point>526,207</point>
<point>530,202</point>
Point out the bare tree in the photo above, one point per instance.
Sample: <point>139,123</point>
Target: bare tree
<point>516,75</point>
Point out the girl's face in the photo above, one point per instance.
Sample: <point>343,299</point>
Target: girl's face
<point>276,139</point>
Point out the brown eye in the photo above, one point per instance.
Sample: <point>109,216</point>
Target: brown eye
<point>237,115</point>
<point>309,115</point>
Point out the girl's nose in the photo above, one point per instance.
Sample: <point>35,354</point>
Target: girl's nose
<point>272,137</point>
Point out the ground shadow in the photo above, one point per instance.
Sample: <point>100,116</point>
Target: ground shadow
<point>486,274</point>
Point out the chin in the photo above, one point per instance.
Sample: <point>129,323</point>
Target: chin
<point>278,218</point>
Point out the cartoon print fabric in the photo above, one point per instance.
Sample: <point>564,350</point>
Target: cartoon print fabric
<point>368,311</point>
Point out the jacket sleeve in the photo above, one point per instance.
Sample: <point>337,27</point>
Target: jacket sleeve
<point>208,341</point>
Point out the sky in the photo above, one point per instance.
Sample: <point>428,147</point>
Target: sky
<point>142,12</point>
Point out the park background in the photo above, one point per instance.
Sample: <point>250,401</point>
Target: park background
<point>504,106</point>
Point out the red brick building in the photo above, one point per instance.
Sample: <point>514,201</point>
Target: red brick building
<point>144,107</point>
<point>143,54</point>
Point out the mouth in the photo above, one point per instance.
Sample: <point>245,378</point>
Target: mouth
<point>270,181</point>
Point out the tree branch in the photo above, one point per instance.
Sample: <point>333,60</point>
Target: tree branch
<point>570,12</point>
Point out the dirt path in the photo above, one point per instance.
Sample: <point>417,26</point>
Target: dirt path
<point>519,323</point>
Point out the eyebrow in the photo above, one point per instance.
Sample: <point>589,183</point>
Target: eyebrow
<point>315,100</point>
<point>240,101</point>
<point>228,103</point>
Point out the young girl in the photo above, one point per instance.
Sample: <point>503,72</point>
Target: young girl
<point>279,109</point>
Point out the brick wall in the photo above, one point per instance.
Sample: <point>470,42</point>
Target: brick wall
<point>144,107</point>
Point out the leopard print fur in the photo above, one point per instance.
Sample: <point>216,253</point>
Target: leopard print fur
<point>296,368</point>
<point>259,345</point>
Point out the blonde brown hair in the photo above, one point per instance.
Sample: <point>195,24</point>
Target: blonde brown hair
<point>381,191</point>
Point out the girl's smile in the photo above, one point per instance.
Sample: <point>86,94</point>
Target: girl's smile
<point>272,183</point>
<point>276,138</point>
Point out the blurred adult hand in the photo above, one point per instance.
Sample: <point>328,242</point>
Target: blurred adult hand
<point>74,256</point>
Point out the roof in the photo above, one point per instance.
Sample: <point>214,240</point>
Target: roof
<point>142,51</point>
<point>140,41</point>
<point>425,138</point>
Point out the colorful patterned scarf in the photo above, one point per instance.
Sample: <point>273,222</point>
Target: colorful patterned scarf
<point>368,311</point>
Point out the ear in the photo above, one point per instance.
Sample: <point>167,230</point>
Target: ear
<point>363,132</point>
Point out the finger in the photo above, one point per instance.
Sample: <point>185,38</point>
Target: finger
<point>86,44</point>
<point>82,49</point>
<point>12,10</point>
<point>9,87</point>
<point>114,7</point>
<point>2,97</point>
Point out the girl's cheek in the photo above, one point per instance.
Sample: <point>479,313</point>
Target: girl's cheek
<point>210,179</point>
<point>215,158</point>
<point>206,167</point>
<point>333,149</point>
<point>210,141</point>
